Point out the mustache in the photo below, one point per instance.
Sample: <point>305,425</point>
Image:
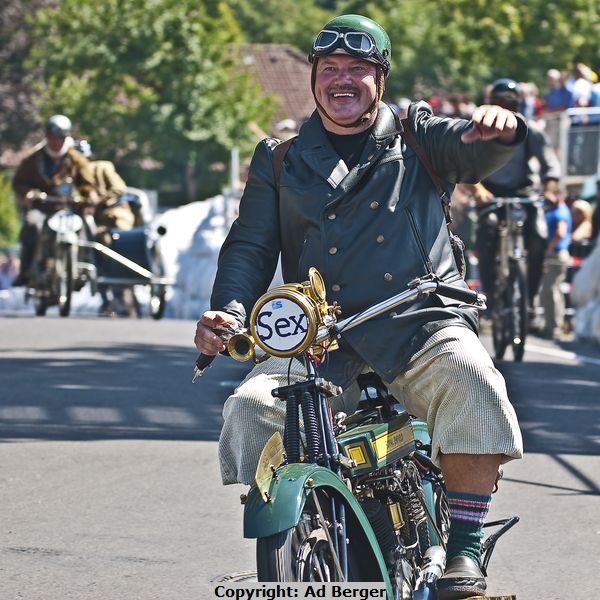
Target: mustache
<point>342,89</point>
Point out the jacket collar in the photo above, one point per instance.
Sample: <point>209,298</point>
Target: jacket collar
<point>318,153</point>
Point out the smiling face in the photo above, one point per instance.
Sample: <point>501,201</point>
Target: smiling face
<point>345,87</point>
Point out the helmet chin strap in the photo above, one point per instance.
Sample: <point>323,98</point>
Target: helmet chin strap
<point>367,115</point>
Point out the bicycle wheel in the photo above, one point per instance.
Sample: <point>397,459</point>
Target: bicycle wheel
<point>64,279</point>
<point>517,289</point>
<point>500,314</point>
<point>304,553</point>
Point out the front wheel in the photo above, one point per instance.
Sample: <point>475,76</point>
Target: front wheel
<point>517,289</point>
<point>64,279</point>
<point>307,552</point>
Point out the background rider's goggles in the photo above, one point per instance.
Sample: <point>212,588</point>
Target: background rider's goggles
<point>357,43</point>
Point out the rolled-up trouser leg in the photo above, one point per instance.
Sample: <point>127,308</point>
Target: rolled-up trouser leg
<point>453,385</point>
<point>252,415</point>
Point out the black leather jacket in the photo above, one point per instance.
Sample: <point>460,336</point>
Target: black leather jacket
<point>369,232</point>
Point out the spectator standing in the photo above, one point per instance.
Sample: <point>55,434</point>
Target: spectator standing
<point>558,97</point>
<point>9,267</point>
<point>581,213</point>
<point>585,295</point>
<point>558,218</point>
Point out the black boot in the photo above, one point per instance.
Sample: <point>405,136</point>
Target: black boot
<point>462,579</point>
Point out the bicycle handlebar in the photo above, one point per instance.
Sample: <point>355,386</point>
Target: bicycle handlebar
<point>499,202</point>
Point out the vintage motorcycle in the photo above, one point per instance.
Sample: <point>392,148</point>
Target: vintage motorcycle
<point>68,256</point>
<point>349,497</point>
<point>58,267</point>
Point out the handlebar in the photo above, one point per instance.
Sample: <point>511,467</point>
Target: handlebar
<point>417,288</point>
<point>499,202</point>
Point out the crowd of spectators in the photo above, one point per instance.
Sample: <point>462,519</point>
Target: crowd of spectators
<point>568,89</point>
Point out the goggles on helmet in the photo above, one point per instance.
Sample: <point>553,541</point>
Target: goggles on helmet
<point>355,43</point>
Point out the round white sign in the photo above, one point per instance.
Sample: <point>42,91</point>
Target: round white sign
<point>281,325</point>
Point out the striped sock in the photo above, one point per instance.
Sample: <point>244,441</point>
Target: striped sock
<point>467,514</point>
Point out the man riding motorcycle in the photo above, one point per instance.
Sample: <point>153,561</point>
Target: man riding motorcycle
<point>355,202</point>
<point>51,163</point>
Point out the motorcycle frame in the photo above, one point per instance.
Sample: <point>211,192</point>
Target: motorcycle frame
<point>294,482</point>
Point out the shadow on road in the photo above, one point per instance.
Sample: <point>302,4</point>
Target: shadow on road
<point>129,391</point>
<point>144,391</point>
<point>557,406</point>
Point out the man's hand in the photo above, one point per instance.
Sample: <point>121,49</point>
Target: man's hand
<point>206,340</point>
<point>491,122</point>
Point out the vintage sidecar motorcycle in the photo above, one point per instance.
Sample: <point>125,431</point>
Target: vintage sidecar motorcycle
<point>67,255</point>
<point>350,497</point>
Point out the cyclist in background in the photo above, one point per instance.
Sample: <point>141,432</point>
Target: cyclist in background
<point>517,179</point>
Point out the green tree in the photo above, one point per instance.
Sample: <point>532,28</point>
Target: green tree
<point>293,22</point>
<point>149,81</point>
<point>461,45</point>
<point>9,216</point>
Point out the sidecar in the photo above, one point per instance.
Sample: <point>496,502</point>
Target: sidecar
<point>132,258</point>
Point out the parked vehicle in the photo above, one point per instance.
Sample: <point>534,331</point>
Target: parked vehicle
<point>351,497</point>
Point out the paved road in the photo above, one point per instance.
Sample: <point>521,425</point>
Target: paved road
<point>109,483</point>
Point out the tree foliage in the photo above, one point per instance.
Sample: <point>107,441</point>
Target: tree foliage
<point>158,81</point>
<point>148,79</point>
<point>9,216</point>
<point>293,22</point>
<point>460,45</point>
<point>17,111</point>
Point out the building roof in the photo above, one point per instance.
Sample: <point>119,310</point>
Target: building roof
<point>284,72</point>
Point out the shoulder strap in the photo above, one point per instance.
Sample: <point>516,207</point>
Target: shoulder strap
<point>411,139</point>
<point>279,153</point>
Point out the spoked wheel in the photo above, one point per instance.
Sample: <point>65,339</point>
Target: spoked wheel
<point>157,291</point>
<point>64,279</point>
<point>304,553</point>
<point>518,328</point>
<point>500,318</point>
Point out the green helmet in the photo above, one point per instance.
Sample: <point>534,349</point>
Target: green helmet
<point>355,35</point>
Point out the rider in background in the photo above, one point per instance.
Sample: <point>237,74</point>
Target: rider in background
<point>356,202</point>
<point>112,212</point>
<point>53,161</point>
<point>517,179</point>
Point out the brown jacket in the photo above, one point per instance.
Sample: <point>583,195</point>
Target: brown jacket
<point>31,175</point>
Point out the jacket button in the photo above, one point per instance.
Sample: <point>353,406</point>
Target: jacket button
<point>380,239</point>
<point>388,277</point>
<point>374,204</point>
<point>333,250</point>
<point>331,216</point>
<point>335,287</point>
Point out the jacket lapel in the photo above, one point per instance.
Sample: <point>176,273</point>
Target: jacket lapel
<point>318,153</point>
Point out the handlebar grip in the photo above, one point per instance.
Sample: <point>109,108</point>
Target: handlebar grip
<point>202,363</point>
<point>461,294</point>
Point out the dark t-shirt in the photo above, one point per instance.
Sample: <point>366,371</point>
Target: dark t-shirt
<point>349,147</point>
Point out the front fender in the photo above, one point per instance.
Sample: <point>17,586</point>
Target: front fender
<point>288,494</point>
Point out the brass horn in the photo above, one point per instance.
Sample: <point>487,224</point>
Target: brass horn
<point>241,347</point>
